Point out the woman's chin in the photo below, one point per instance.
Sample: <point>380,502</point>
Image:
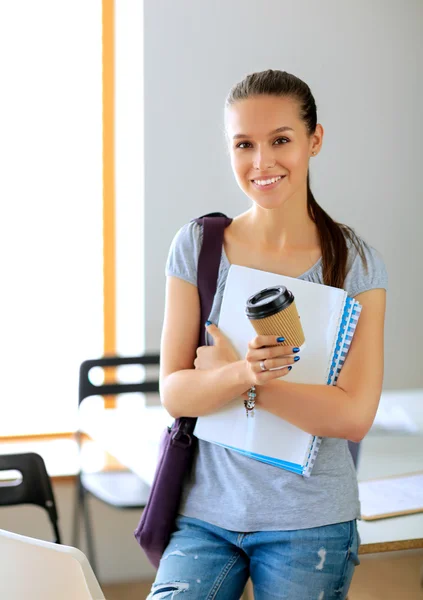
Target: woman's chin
<point>269,203</point>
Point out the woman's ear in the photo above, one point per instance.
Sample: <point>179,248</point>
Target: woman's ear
<point>318,138</point>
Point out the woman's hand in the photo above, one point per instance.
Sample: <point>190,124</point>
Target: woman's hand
<point>276,360</point>
<point>218,355</point>
<point>266,361</point>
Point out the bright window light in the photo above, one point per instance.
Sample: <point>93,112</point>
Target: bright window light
<point>51,306</point>
<point>51,190</point>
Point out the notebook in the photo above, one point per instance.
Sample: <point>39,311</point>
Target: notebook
<point>329,318</point>
<point>391,496</point>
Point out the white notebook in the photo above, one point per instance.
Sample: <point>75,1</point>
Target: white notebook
<point>329,318</point>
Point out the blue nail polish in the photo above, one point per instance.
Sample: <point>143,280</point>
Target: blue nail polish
<point>297,358</point>
<point>280,339</point>
<point>289,368</point>
<point>208,323</point>
<point>295,349</point>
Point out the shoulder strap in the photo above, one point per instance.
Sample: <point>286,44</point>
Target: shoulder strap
<point>214,225</point>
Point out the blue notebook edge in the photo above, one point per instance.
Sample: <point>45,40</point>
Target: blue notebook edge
<point>288,466</point>
<point>348,324</point>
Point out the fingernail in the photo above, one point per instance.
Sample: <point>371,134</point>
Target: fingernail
<point>289,368</point>
<point>295,349</point>
<point>208,323</point>
<point>280,339</point>
<point>297,358</point>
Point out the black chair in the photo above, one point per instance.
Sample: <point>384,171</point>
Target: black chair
<point>121,489</point>
<point>34,488</point>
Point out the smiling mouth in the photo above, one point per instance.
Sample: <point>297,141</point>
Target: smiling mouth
<point>267,182</point>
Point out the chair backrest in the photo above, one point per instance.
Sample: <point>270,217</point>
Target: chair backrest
<point>34,488</point>
<point>31,568</point>
<point>87,388</point>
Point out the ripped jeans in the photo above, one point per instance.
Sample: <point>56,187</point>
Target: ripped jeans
<point>205,562</point>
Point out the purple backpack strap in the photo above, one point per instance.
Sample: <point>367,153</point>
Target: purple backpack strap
<point>178,443</point>
<point>214,225</point>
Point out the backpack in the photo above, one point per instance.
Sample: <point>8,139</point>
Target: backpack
<point>178,443</point>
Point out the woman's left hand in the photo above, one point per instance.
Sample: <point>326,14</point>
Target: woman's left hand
<point>218,355</point>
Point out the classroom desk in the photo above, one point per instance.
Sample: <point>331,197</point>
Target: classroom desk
<point>131,436</point>
<point>382,456</point>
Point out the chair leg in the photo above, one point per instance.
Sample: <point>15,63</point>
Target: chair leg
<point>76,512</point>
<point>81,508</point>
<point>57,533</point>
<point>88,532</point>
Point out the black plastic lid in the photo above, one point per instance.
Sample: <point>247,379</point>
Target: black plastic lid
<point>268,302</point>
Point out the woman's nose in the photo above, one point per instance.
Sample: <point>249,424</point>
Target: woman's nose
<point>263,159</point>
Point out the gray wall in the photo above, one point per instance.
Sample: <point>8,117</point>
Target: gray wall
<point>363,63</point>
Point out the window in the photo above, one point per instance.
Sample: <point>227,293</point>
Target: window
<point>51,190</point>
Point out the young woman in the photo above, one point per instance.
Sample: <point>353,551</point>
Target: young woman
<point>295,537</point>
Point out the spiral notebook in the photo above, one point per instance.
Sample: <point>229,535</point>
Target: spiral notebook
<point>329,318</point>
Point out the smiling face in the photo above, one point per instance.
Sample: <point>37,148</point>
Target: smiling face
<point>269,148</point>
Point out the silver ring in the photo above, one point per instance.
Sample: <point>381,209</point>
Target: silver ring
<point>262,367</point>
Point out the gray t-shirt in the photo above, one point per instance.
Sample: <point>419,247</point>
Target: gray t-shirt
<point>241,494</point>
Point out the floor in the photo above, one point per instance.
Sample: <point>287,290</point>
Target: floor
<point>386,578</point>
<point>130,591</point>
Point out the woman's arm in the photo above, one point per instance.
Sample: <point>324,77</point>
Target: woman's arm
<point>186,391</point>
<point>219,375</point>
<point>348,409</point>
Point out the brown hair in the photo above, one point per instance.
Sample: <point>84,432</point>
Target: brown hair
<point>333,236</point>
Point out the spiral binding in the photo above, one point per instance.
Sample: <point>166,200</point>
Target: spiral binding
<point>312,455</point>
<point>335,343</point>
<point>347,332</point>
<point>348,324</point>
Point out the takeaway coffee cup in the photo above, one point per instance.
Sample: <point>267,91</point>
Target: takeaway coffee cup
<point>272,311</point>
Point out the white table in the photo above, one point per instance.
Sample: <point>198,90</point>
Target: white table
<point>393,453</point>
<point>132,436</point>
<point>382,456</point>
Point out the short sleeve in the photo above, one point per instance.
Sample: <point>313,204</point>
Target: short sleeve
<point>361,279</point>
<point>182,260</point>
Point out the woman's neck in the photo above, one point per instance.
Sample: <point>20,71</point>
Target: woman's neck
<point>280,229</point>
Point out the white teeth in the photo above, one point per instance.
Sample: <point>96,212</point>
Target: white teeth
<point>267,181</point>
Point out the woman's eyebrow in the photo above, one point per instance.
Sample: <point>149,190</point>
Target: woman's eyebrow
<point>278,130</point>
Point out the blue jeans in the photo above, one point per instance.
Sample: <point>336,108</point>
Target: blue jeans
<point>205,562</point>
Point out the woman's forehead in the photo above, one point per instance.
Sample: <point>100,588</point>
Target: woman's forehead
<point>261,115</point>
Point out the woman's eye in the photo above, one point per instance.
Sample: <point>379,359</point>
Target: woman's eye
<point>282,140</point>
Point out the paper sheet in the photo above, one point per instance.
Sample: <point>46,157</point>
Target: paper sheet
<point>391,496</point>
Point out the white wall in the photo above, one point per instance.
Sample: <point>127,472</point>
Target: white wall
<point>361,60</point>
